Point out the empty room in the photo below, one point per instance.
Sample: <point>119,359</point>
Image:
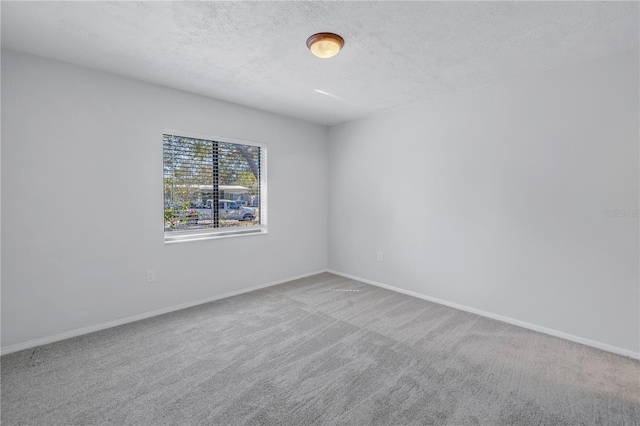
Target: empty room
<point>331,213</point>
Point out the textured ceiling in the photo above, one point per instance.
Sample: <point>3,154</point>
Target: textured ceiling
<point>254,53</point>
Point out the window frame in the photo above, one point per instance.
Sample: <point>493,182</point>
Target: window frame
<point>179,236</point>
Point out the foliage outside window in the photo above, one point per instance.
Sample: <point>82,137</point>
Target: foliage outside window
<point>212,188</point>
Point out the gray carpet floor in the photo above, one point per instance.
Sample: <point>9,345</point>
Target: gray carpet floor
<point>320,350</point>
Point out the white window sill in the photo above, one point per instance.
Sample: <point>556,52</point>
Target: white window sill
<point>172,238</point>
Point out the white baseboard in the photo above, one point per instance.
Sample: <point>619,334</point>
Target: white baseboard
<point>86,330</point>
<point>545,330</point>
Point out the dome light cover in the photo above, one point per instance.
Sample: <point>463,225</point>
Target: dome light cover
<point>325,45</point>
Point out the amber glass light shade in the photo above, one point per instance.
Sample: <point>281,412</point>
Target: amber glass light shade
<point>325,45</point>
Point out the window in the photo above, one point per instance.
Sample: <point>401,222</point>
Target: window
<point>201,174</point>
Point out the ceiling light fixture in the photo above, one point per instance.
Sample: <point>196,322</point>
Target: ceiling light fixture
<point>325,45</point>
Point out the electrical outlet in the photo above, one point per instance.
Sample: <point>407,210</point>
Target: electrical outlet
<point>380,256</point>
<point>151,275</point>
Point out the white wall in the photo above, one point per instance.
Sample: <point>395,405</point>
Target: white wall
<point>82,199</point>
<point>494,199</point>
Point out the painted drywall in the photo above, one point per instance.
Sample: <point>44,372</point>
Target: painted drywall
<point>519,200</point>
<point>82,199</point>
